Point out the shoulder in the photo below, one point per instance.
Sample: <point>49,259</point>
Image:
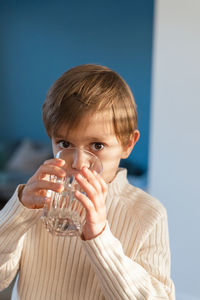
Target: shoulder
<point>133,203</point>
<point>141,205</point>
<point>133,215</point>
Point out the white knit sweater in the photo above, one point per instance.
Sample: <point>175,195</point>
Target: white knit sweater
<point>129,260</point>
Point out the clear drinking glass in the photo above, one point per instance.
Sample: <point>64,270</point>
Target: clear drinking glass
<point>64,215</point>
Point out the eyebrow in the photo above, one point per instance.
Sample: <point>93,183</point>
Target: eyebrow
<point>89,138</point>
<point>59,136</point>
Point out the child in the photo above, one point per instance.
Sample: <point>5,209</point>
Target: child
<point>123,252</point>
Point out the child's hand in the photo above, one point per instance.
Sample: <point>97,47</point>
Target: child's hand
<point>94,202</point>
<point>34,192</point>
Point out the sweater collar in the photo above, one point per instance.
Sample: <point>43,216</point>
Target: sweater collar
<point>118,183</point>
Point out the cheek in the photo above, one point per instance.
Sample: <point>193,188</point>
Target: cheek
<point>54,149</point>
<point>109,170</point>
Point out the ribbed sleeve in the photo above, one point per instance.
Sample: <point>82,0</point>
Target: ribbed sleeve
<point>124,278</point>
<point>15,221</point>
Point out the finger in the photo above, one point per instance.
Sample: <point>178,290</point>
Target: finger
<point>91,178</point>
<point>96,180</point>
<point>33,200</point>
<point>54,161</point>
<point>87,204</point>
<point>38,202</point>
<point>42,185</point>
<point>104,185</point>
<point>86,186</point>
<point>47,169</point>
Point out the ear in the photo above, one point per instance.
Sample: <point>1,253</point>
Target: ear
<point>133,140</point>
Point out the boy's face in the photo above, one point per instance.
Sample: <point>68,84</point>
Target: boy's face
<point>95,133</point>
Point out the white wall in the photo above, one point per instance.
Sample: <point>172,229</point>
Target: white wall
<point>174,170</point>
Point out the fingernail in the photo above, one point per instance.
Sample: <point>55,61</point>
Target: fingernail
<point>61,161</point>
<point>61,188</point>
<point>86,169</point>
<point>79,176</point>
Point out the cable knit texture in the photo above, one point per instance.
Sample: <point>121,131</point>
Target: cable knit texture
<point>130,259</point>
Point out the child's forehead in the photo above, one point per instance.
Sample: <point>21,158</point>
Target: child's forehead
<point>91,125</point>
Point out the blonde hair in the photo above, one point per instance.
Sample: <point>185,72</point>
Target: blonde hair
<point>89,89</point>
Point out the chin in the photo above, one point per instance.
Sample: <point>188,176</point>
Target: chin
<point>108,179</point>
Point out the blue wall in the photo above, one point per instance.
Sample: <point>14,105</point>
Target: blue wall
<point>42,39</point>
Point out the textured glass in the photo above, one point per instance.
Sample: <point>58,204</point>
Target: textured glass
<point>64,215</point>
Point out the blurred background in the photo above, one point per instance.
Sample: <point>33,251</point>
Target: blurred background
<point>154,46</point>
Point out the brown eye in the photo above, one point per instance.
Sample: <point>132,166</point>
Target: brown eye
<point>97,146</point>
<point>64,144</point>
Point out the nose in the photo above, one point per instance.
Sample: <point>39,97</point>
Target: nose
<point>80,160</point>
